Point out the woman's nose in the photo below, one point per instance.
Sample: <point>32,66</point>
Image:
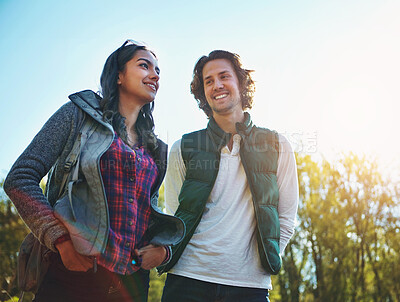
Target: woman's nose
<point>155,76</point>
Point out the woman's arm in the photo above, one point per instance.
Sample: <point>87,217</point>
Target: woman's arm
<point>151,256</point>
<point>22,182</point>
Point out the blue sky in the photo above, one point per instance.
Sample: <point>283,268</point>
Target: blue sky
<point>327,72</point>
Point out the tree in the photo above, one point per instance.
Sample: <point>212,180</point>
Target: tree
<point>156,286</point>
<point>12,232</point>
<point>157,282</point>
<point>346,246</point>
<point>347,240</point>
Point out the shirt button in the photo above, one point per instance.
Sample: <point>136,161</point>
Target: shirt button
<point>130,155</point>
<point>131,179</point>
<point>127,244</point>
<point>130,199</point>
<point>139,159</point>
<point>130,222</point>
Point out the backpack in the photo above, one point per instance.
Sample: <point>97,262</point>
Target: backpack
<point>34,258</point>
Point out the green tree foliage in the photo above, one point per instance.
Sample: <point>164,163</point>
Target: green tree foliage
<point>12,232</point>
<point>346,246</point>
<point>347,241</point>
<point>156,286</point>
<point>157,282</point>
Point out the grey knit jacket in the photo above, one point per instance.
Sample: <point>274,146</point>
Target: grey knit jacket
<point>49,149</point>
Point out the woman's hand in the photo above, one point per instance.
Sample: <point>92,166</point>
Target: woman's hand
<point>71,259</point>
<point>151,255</point>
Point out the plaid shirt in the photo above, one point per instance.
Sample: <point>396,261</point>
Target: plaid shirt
<point>128,175</point>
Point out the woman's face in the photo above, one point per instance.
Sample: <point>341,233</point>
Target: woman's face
<point>139,80</point>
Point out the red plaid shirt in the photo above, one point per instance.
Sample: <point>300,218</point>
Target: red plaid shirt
<point>128,175</point>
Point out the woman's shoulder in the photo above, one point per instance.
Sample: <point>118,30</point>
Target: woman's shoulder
<point>67,110</point>
<point>162,150</point>
<point>163,147</point>
<point>161,142</point>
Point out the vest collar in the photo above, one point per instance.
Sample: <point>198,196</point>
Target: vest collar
<point>244,128</point>
<point>220,138</point>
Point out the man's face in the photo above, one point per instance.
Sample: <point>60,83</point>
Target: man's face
<point>221,87</point>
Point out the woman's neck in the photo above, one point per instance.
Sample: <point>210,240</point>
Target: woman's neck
<point>130,112</point>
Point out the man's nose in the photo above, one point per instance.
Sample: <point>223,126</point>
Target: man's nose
<point>218,85</point>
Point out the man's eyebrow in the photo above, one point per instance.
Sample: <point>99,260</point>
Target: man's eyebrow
<point>219,73</point>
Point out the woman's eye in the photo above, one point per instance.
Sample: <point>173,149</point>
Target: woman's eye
<point>144,65</point>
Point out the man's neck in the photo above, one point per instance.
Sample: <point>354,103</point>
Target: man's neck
<point>228,122</point>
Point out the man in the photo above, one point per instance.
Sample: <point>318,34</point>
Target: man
<point>235,186</point>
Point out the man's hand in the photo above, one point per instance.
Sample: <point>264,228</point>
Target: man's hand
<point>71,259</point>
<point>151,255</point>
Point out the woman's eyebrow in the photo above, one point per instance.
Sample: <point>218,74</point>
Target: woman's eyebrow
<point>148,62</point>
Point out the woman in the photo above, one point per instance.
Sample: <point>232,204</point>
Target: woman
<point>121,167</point>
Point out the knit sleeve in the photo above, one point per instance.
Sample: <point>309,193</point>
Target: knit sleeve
<point>22,182</point>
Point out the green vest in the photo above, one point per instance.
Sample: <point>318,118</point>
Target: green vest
<point>259,153</point>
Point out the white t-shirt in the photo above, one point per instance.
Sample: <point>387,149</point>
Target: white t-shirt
<point>223,248</point>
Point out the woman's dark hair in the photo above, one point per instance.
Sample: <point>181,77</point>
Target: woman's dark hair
<point>144,125</point>
<point>246,83</point>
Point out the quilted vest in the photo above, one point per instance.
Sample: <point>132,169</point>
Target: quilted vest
<point>259,153</point>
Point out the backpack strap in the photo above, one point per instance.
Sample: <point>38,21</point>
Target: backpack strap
<point>87,126</point>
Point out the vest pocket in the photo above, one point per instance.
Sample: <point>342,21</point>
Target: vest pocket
<point>269,228</point>
<point>273,256</point>
<point>195,201</point>
<point>268,221</point>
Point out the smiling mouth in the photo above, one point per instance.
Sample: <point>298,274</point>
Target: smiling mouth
<point>152,86</point>
<point>221,96</point>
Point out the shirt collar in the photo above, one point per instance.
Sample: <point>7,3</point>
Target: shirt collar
<point>220,138</point>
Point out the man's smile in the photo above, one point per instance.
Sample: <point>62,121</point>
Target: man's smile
<point>221,96</point>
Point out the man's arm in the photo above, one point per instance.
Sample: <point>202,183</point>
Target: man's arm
<point>176,172</point>
<point>288,191</point>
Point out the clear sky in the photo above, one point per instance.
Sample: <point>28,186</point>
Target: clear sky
<point>327,72</point>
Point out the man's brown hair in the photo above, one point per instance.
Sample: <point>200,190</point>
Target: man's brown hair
<point>246,83</point>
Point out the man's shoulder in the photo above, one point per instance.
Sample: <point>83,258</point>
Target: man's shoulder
<point>193,139</point>
<point>281,138</point>
<point>261,132</point>
<point>265,130</point>
<point>194,133</point>
<point>265,137</point>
